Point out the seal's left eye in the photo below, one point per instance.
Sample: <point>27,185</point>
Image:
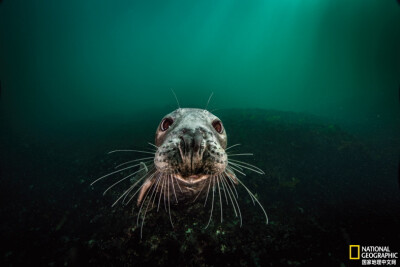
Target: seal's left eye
<point>218,126</point>
<point>165,124</point>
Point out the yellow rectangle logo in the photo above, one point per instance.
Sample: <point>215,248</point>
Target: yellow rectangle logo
<point>352,256</point>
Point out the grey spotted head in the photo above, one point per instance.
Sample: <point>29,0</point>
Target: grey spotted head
<point>191,144</point>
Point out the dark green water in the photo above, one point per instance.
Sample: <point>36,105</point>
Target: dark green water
<point>310,87</point>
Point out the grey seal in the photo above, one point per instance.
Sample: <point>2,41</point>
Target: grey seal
<point>191,147</point>
<point>189,161</point>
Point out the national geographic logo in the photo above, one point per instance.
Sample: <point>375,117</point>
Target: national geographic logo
<point>354,252</point>
<point>373,255</point>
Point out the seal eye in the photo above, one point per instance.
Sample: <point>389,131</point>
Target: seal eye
<point>165,124</point>
<point>218,126</point>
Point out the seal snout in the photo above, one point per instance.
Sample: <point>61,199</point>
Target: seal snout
<point>191,141</point>
<point>191,149</point>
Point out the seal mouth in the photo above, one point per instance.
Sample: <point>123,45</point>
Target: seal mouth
<point>192,179</point>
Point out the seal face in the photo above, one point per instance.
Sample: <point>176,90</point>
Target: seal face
<point>191,148</point>
<point>193,143</point>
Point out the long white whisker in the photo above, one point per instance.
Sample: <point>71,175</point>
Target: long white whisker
<point>156,190</point>
<point>123,179</point>
<point>152,145</point>
<point>237,204</point>
<point>239,162</point>
<point>219,193</point>
<point>131,150</point>
<point>258,202</point>
<point>169,208</point>
<point>212,203</point>
<point>208,100</point>
<point>125,194</point>
<point>232,146</point>
<point>116,167</point>
<point>240,168</point>
<point>176,98</point>
<point>245,167</point>
<point>229,194</point>
<point>242,154</point>
<point>165,188</point>
<point>141,205</point>
<point>148,203</point>
<point>177,182</point>
<point>231,167</point>
<point>102,177</point>
<point>173,187</point>
<point>161,193</point>
<point>224,189</point>
<point>208,191</point>
<point>201,190</point>
<point>151,176</point>
<point>233,183</point>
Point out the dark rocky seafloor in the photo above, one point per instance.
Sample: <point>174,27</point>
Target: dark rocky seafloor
<point>324,189</point>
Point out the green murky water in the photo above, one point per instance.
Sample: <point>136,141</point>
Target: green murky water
<point>310,87</point>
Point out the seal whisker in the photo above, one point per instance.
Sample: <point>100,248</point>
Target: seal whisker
<point>123,179</point>
<point>230,178</point>
<point>165,195</point>
<point>212,203</point>
<point>219,193</point>
<point>258,202</point>
<point>148,203</point>
<point>240,168</point>
<point>152,145</point>
<point>161,193</point>
<point>237,204</point>
<point>116,167</point>
<point>125,194</point>
<point>131,150</point>
<point>142,204</point>
<point>233,183</point>
<point>229,194</point>
<point>204,183</point>
<point>242,154</point>
<point>209,101</point>
<point>240,163</point>
<point>177,182</point>
<point>169,208</point>
<point>208,191</point>
<point>223,188</point>
<point>126,203</point>
<point>114,172</point>
<point>176,98</point>
<point>232,146</point>
<point>245,167</point>
<point>156,190</point>
<point>128,191</point>
<point>231,167</point>
<point>173,187</point>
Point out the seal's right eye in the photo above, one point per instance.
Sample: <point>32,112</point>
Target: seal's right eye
<point>165,124</point>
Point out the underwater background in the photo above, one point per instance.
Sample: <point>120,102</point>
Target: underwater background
<point>311,88</point>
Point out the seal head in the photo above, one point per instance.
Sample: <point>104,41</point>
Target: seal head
<point>191,147</point>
